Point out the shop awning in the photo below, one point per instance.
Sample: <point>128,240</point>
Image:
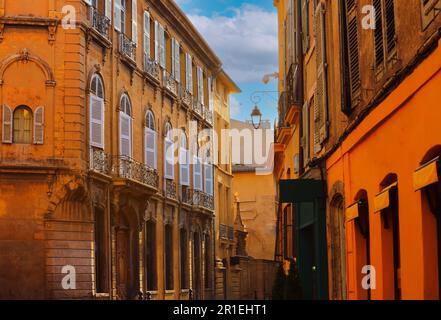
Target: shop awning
<point>352,212</point>
<point>426,175</point>
<point>382,200</point>
<point>298,191</point>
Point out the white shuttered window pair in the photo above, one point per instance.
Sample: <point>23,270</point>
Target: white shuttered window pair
<point>9,131</point>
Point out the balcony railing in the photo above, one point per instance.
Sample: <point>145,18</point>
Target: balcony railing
<point>203,200</point>
<point>283,109</point>
<point>127,168</point>
<point>186,195</point>
<point>127,47</point>
<point>170,189</point>
<point>293,86</point>
<point>100,162</point>
<point>198,108</point>
<point>100,22</point>
<point>186,97</point>
<point>151,67</point>
<point>170,83</point>
<point>208,115</point>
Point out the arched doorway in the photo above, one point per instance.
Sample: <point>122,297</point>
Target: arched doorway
<point>338,248</point>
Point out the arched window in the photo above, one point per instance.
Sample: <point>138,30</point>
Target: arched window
<point>184,169</point>
<point>150,140</point>
<point>169,152</point>
<point>125,126</point>
<point>23,119</point>
<point>97,112</point>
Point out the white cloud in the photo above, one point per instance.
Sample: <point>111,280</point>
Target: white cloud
<point>245,41</point>
<point>235,107</point>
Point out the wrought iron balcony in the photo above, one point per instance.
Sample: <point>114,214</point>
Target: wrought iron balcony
<point>198,108</point>
<point>293,87</point>
<point>170,83</point>
<point>100,162</point>
<point>203,200</point>
<point>151,67</point>
<point>127,47</point>
<point>186,195</point>
<point>208,115</point>
<point>223,231</point>
<point>170,189</point>
<point>283,109</point>
<point>127,168</point>
<point>100,22</point>
<point>186,97</point>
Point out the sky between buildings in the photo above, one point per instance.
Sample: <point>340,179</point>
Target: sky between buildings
<point>243,33</point>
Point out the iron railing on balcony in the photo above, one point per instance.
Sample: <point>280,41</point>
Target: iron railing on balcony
<point>170,83</point>
<point>127,168</point>
<point>151,67</point>
<point>100,22</point>
<point>208,115</point>
<point>198,107</point>
<point>127,47</point>
<point>186,195</point>
<point>203,200</point>
<point>100,162</point>
<point>223,231</point>
<point>185,97</point>
<point>170,189</point>
<point>230,233</point>
<point>293,87</point>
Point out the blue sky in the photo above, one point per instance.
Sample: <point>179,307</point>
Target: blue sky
<point>243,33</point>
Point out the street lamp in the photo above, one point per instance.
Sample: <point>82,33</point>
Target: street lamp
<point>256,117</point>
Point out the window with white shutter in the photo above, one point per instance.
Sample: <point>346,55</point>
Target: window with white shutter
<point>39,125</point>
<point>176,68</point>
<point>108,9</point>
<point>184,169</point>
<point>150,141</point>
<point>208,178</point>
<point>162,46</point>
<point>210,94</point>
<point>125,127</point>
<point>189,72</point>
<point>197,174</point>
<point>7,124</point>
<point>96,121</point>
<point>135,22</point>
<point>200,80</point>
<point>146,35</point>
<point>169,152</point>
<point>118,15</point>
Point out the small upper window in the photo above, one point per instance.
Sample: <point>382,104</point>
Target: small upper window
<point>150,121</point>
<point>125,105</point>
<point>23,120</point>
<point>168,131</point>
<point>97,87</point>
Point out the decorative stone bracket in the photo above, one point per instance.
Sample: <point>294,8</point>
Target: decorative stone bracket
<point>50,23</point>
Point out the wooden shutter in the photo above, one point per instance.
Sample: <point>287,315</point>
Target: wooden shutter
<point>208,179</point>
<point>118,9</point>
<point>378,34</point>
<point>150,148</point>
<point>353,52</point>
<point>189,71</point>
<point>305,140</point>
<point>389,10</point>
<point>7,125</point>
<point>173,57</point>
<point>305,25</point>
<point>135,22</point>
<point>162,52</point>
<point>146,35</point>
<point>157,59</point>
<point>184,171</point>
<point>320,99</point>
<point>125,134</point>
<point>210,93</point>
<point>197,174</point>
<point>200,79</point>
<point>177,64</point>
<point>108,9</point>
<point>96,122</point>
<point>169,159</point>
<point>39,126</point>
<point>430,9</point>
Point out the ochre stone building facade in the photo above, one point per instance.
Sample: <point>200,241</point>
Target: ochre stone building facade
<point>93,115</point>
